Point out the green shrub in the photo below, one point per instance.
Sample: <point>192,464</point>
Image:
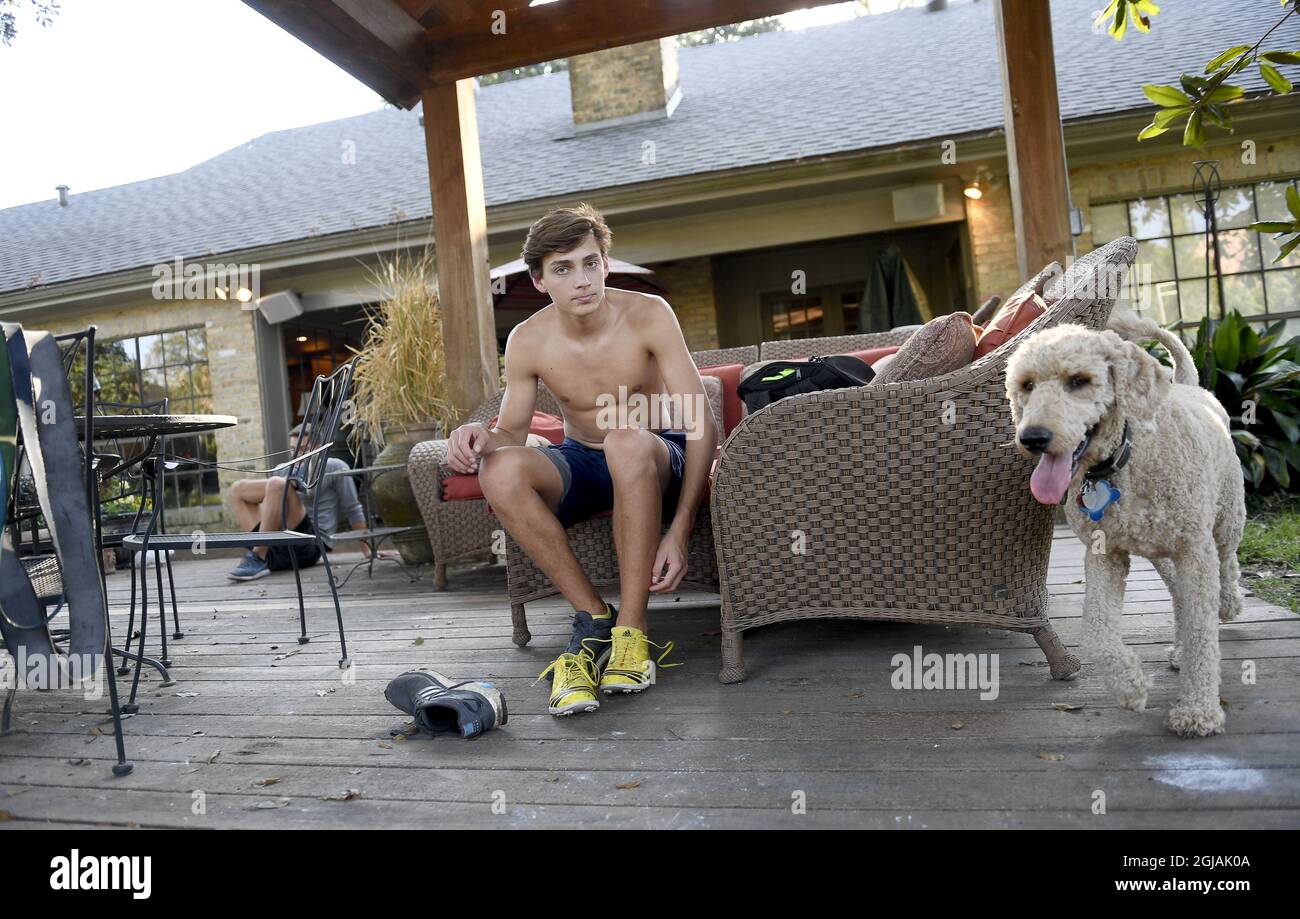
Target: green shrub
<point>1256,377</point>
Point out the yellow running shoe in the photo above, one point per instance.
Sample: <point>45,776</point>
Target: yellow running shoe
<point>573,683</point>
<point>630,668</point>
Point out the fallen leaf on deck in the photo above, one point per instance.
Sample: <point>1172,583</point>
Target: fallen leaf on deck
<point>1066,707</point>
<point>78,762</point>
<point>324,692</point>
<point>853,695</point>
<point>385,744</point>
<point>185,695</point>
<point>1052,757</point>
<point>94,732</point>
<point>348,795</point>
<point>418,640</point>
<point>956,725</point>
<point>213,758</point>
<point>263,783</point>
<point>628,785</point>
<point>266,805</point>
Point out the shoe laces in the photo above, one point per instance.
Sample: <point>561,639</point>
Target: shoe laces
<point>570,668</point>
<point>625,657</point>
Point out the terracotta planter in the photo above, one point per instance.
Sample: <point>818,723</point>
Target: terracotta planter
<point>392,495</point>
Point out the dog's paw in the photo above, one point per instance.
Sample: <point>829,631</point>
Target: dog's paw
<point>1191,721</point>
<point>1131,689</point>
<point>1175,657</point>
<point>1230,612</point>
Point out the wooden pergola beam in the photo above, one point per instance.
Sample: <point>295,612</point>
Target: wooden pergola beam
<point>460,230</point>
<point>376,41</point>
<point>467,48</point>
<point>1039,180</point>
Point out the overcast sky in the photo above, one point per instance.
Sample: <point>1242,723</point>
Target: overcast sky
<point>117,91</point>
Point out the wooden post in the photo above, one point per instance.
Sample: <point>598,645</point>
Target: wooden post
<point>1040,192</point>
<point>460,234</point>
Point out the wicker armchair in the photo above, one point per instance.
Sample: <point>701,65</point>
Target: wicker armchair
<point>913,504</point>
<point>457,528</point>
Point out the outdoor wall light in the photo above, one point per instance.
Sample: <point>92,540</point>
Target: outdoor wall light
<point>301,338</point>
<point>975,190</point>
<point>243,295</point>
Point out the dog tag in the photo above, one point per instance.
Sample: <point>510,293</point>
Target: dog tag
<point>1095,497</point>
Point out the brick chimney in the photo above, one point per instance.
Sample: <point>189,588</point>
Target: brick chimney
<point>624,85</point>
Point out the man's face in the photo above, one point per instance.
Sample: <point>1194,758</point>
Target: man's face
<point>575,280</point>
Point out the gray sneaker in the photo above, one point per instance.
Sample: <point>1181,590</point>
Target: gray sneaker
<point>250,568</point>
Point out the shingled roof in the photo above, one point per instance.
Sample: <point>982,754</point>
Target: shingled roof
<point>873,82</point>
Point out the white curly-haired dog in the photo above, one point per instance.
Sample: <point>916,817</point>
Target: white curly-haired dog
<point>1144,466</point>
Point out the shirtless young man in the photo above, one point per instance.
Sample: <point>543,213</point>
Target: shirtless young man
<point>593,347</point>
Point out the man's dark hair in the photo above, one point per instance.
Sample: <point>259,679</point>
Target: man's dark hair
<point>562,230</point>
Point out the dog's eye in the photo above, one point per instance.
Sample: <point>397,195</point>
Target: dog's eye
<point>1027,386</point>
<point>1078,382</point>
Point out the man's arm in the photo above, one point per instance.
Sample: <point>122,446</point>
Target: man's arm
<point>682,381</point>
<point>471,441</point>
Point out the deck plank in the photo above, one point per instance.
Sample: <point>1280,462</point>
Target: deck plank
<point>817,716</point>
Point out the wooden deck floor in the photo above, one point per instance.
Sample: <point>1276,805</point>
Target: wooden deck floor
<point>267,731</point>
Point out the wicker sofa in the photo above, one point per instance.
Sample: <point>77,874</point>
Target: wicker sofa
<point>915,505</point>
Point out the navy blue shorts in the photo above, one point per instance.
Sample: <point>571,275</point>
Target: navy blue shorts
<point>588,487</point>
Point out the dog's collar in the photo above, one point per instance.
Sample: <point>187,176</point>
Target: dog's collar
<point>1116,461</point>
<point>1113,463</point>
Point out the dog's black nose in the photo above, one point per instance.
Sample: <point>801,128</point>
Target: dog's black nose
<point>1035,439</point>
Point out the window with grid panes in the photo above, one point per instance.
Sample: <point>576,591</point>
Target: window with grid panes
<point>171,365</point>
<point>1238,262</point>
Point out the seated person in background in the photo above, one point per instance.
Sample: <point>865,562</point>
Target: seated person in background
<point>257,507</point>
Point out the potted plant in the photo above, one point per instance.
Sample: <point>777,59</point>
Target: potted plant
<point>400,388</point>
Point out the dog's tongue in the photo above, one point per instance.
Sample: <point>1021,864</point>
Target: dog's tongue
<point>1051,478</point>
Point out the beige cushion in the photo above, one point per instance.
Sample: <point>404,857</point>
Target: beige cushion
<point>940,346</point>
<point>713,396</point>
<point>1096,275</point>
<point>882,365</point>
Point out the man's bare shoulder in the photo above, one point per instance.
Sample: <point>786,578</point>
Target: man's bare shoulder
<point>528,337</point>
<point>644,311</point>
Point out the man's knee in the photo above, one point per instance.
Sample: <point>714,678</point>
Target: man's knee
<point>275,486</point>
<point>502,471</point>
<point>631,451</point>
<point>248,489</point>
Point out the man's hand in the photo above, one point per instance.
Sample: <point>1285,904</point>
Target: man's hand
<point>465,447</point>
<point>672,553</point>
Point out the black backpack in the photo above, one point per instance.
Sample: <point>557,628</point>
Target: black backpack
<point>787,378</point>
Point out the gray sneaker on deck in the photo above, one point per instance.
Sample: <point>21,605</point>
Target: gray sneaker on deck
<point>250,568</point>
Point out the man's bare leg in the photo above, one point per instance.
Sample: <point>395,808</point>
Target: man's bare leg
<point>639,465</point>
<point>246,497</point>
<point>524,489</point>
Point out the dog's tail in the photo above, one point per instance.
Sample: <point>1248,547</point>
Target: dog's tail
<point>1133,327</point>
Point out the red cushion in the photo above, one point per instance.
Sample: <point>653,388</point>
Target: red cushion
<point>548,426</point>
<point>464,487</point>
<point>732,407</point>
<point>871,355</point>
<point>1014,317</point>
<point>461,487</point>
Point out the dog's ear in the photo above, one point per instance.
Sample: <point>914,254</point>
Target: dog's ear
<point>1140,382</point>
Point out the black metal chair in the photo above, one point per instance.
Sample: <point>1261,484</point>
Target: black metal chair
<point>304,471</point>
<point>35,382</point>
<point>125,476</point>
